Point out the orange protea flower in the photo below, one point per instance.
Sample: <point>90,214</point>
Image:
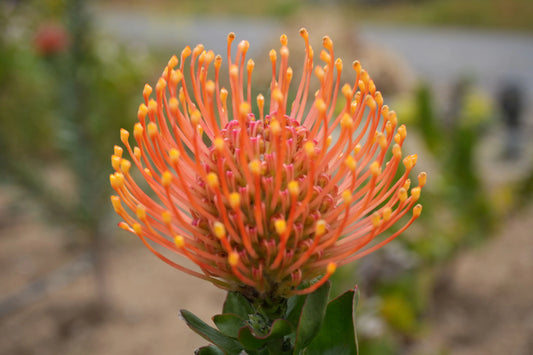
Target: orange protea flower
<point>264,203</point>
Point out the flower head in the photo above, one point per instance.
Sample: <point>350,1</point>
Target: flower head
<point>266,195</point>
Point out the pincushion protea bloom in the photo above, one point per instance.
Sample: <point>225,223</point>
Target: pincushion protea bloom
<point>268,203</point>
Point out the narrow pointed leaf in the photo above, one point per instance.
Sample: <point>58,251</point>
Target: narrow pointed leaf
<point>311,317</point>
<point>238,304</point>
<point>337,335</point>
<point>279,329</point>
<point>223,342</point>
<point>229,324</point>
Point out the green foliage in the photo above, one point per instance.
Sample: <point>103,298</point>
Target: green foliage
<point>310,325</point>
<point>65,106</point>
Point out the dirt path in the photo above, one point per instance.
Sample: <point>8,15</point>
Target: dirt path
<point>486,306</point>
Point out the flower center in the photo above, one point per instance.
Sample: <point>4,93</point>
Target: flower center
<point>248,164</point>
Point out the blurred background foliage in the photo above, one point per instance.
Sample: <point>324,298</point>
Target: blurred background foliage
<point>66,89</point>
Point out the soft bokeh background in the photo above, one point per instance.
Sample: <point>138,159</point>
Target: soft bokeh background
<point>457,72</point>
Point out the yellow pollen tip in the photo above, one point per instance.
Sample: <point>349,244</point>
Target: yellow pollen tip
<point>172,62</point>
<point>147,91</point>
<point>179,241</point>
<point>125,166</point>
<point>407,184</point>
<point>148,172</point>
<point>234,71</point>
<point>347,121</point>
<point>124,135</point>
<point>319,73</point>
<point>356,66</point>
<point>141,212</point>
<point>325,57</point>
<point>328,140</point>
<point>223,95</point>
<point>387,213</point>
<point>166,179</point>
<point>289,74</point>
<point>233,259</point>
<point>357,149</point>
<point>409,162</point>
<point>397,151</point>
<point>370,102</point>
<point>275,127</point>
<point>402,131</point>
<point>151,128</point>
<point>212,180</point>
<point>327,42</point>
<point>195,117</point>
<point>422,177</point>
<point>309,148</point>
<point>138,131</point>
<point>255,167</point>
<point>117,180</point>
<point>117,206</point>
<point>142,111</point>
<point>272,54</point>
<point>277,95</point>
<point>166,216</point>
<point>402,194</point>
<point>338,64</point>
<point>218,62</point>
<point>137,228</point>
<point>304,33</point>
<point>280,225</point>
<point>199,130</point>
<point>174,155</point>
<point>320,227</point>
<point>350,163</point>
<point>210,87</point>
<point>332,267</point>
<point>115,162</point>
<point>260,101</point>
<point>219,143</point>
<point>293,187</point>
<point>417,210</point>
<point>372,88</point>
<point>415,193</point>
<point>347,91</point>
<point>173,105</point>
<point>244,109</point>
<point>361,85</point>
<point>376,220</point>
<point>375,168</point>
<point>219,230</point>
<point>137,152</point>
<point>283,39</point>
<point>347,196</point>
<point>378,97</point>
<point>118,151</point>
<point>235,200</point>
<point>161,85</point>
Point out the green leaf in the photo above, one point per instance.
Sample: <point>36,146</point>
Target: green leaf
<point>280,328</point>
<point>238,304</point>
<point>223,342</point>
<point>208,350</point>
<point>311,317</point>
<point>229,324</point>
<point>338,333</point>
